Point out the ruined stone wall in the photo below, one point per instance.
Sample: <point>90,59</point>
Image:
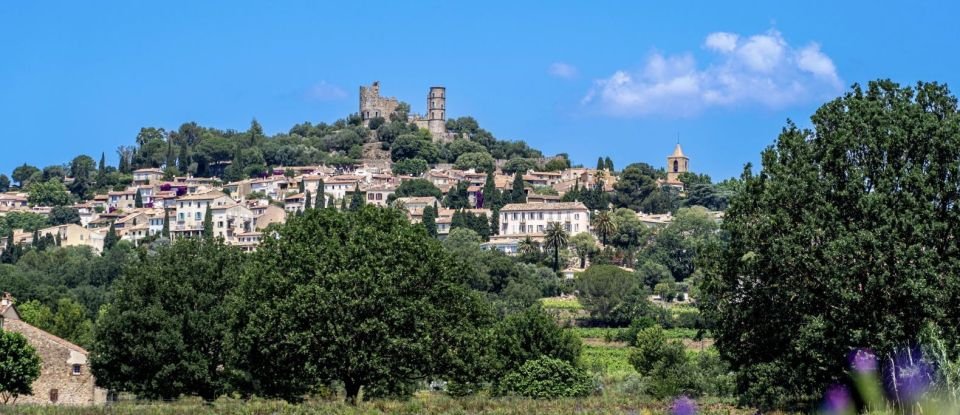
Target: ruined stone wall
<point>372,105</point>
<point>56,371</point>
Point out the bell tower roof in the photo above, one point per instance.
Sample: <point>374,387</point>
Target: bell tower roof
<point>677,152</point>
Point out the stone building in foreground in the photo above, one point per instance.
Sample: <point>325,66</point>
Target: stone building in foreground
<point>65,377</point>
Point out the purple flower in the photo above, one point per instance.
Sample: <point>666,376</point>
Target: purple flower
<point>683,406</point>
<point>837,400</point>
<point>863,361</point>
<point>910,375</point>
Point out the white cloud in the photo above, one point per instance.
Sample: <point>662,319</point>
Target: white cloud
<point>722,41</point>
<point>761,70</point>
<point>562,70</point>
<point>324,91</point>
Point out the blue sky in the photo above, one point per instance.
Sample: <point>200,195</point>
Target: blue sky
<point>623,79</point>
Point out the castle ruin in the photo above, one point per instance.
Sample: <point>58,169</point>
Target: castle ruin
<point>372,105</point>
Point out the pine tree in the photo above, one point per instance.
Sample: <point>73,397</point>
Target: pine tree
<point>111,239</point>
<point>165,231</point>
<point>208,223</point>
<point>138,200</point>
<point>307,201</point>
<point>430,220</point>
<point>517,195</point>
<point>356,202</point>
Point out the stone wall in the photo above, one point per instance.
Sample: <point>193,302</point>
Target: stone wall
<point>58,358</point>
<point>372,105</point>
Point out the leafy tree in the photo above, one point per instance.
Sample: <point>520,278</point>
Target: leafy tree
<point>28,221</point>
<point>530,335</point>
<point>845,239</point>
<point>678,245</point>
<point>630,235</point>
<point>208,223</point>
<point>366,304</point>
<point>23,173</point>
<point>556,238</point>
<point>19,366</point>
<point>557,163</point>
<point>412,167</point>
<point>83,170</point>
<point>517,193</point>
<point>546,378</point>
<point>50,193</point>
<point>62,215</point>
<point>584,245</point>
<point>162,335</point>
<point>603,225</point>
<point>4,183</point>
<point>418,188</point>
<point>457,197</point>
<point>604,287</point>
<point>519,165</point>
<point>481,161</point>
<point>633,188</point>
<point>430,220</point>
<point>651,273</point>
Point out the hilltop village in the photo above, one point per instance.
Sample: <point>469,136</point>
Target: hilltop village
<point>239,188</point>
<point>158,204</point>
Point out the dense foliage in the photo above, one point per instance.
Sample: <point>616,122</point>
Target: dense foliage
<point>846,238</point>
<point>19,366</point>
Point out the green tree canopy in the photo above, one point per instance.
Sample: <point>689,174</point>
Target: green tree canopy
<point>847,238</point>
<point>368,300</point>
<point>603,287</point>
<point>19,366</point>
<point>162,335</point>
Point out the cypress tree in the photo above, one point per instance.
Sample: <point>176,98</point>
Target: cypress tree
<point>331,203</point>
<point>111,239</point>
<point>356,202</point>
<point>165,232</point>
<point>183,160</point>
<point>491,197</point>
<point>307,201</point>
<point>608,164</point>
<point>138,200</point>
<point>321,201</point>
<point>343,203</point>
<point>600,163</point>
<point>517,195</point>
<point>495,221</point>
<point>103,163</point>
<point>430,220</point>
<point>208,223</point>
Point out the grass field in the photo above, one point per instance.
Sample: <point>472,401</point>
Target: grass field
<point>561,303</point>
<point>606,333</point>
<point>608,361</point>
<point>426,403</point>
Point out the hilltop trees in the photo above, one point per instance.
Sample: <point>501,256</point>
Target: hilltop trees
<point>370,301</point>
<point>162,335</point>
<point>846,238</point>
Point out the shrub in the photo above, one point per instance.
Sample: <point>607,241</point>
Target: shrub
<point>546,378</point>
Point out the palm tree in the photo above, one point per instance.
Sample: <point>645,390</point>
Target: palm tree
<point>556,238</point>
<point>527,247</point>
<point>603,225</point>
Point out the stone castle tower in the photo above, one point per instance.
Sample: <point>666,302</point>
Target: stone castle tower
<point>437,111</point>
<point>372,105</point>
<point>677,163</point>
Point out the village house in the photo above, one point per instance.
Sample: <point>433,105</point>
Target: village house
<point>264,215</point>
<point>377,194</point>
<point>147,176</point>
<point>65,377</point>
<point>123,200</point>
<point>191,210</point>
<point>531,219</point>
<point>13,200</point>
<point>75,235</point>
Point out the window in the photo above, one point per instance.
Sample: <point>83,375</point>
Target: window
<point>220,224</point>
<point>576,216</point>
<point>540,216</point>
<point>181,217</point>
<point>54,395</point>
<point>196,216</point>
<point>539,228</point>
<point>75,370</point>
<point>676,166</point>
